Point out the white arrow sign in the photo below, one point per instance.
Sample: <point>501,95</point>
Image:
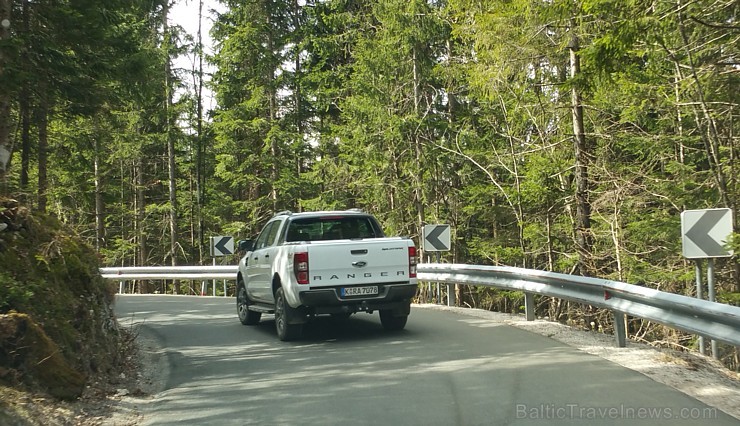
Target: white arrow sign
<point>436,237</point>
<point>222,246</point>
<point>705,233</point>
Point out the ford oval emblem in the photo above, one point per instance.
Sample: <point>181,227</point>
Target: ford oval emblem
<point>359,264</point>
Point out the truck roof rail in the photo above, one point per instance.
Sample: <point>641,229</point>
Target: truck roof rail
<point>355,209</point>
<point>284,212</point>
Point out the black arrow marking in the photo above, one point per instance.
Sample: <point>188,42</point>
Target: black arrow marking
<point>433,238</point>
<point>221,245</point>
<point>699,233</point>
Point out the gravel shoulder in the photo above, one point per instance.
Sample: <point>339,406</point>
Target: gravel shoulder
<point>148,379</point>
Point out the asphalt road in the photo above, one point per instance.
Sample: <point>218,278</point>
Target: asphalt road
<point>443,369</point>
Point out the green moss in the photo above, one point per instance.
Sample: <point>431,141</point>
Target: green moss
<point>13,293</point>
<point>28,350</point>
<point>54,302</point>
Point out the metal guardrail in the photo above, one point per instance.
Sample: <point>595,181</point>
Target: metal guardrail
<point>714,320</point>
<point>220,272</point>
<point>197,273</point>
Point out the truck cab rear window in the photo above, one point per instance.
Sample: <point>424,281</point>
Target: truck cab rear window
<point>332,228</point>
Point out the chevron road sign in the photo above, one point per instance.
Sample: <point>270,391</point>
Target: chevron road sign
<point>436,237</point>
<point>705,233</point>
<point>222,246</point>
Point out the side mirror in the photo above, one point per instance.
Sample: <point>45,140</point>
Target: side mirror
<point>246,245</point>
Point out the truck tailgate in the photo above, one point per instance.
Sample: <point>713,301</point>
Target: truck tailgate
<point>358,262</point>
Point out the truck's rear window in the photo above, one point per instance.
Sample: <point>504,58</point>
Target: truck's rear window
<point>332,228</point>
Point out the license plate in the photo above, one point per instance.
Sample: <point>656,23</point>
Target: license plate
<point>360,291</point>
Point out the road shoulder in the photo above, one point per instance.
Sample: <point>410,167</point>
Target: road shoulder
<point>700,377</point>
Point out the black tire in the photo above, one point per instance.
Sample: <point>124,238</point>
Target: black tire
<point>391,322</point>
<point>285,331</point>
<point>246,316</point>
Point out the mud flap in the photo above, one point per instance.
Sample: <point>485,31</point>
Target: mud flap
<point>297,315</point>
<point>404,309</point>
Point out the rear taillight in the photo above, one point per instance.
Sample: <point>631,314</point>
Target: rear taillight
<point>300,267</point>
<point>412,262</point>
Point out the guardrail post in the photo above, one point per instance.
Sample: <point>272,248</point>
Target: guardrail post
<point>699,296</point>
<point>450,295</point>
<point>619,331</point>
<point>120,287</point>
<point>711,294</point>
<point>529,306</point>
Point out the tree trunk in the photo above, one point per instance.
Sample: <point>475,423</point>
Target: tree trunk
<point>25,111</point>
<point>43,123</point>
<point>272,113</point>
<point>200,161</point>
<point>297,97</point>
<point>5,96</point>
<point>25,104</point>
<point>518,208</point>
<point>99,206</point>
<point>418,151</point>
<point>140,209</point>
<point>582,160</point>
<point>170,143</point>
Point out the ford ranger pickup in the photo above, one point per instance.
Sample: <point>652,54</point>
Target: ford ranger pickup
<point>333,262</point>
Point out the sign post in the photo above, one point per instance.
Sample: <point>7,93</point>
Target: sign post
<point>705,234</point>
<point>437,239</point>
<point>220,246</point>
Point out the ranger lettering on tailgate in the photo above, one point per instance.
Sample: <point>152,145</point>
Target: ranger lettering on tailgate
<point>365,275</point>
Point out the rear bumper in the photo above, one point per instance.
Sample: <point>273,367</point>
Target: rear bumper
<point>395,297</point>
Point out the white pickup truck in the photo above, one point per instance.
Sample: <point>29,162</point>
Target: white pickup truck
<point>332,262</point>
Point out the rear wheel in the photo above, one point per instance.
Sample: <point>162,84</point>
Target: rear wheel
<point>246,316</point>
<point>392,322</point>
<point>284,330</point>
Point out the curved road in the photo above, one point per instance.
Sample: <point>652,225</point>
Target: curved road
<point>443,369</point>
